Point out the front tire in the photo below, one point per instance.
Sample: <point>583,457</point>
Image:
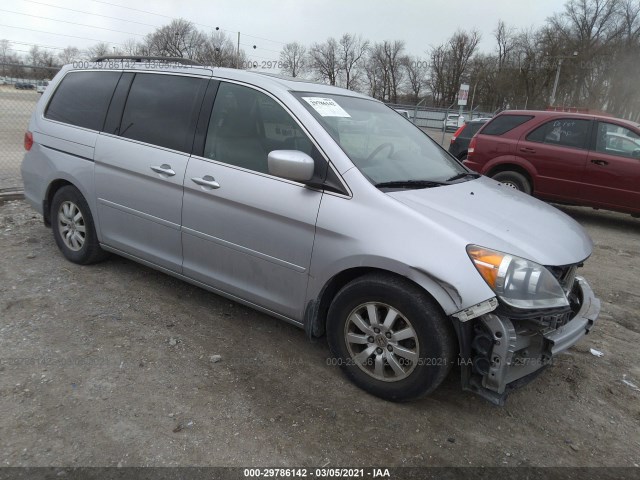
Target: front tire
<point>390,337</point>
<point>73,227</point>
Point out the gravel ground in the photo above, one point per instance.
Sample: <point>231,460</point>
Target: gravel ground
<point>116,364</point>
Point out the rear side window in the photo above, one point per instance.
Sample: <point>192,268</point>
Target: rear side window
<point>567,132</point>
<point>82,99</point>
<point>163,110</point>
<point>505,123</point>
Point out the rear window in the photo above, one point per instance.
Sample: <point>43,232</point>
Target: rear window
<point>505,123</point>
<point>471,129</point>
<point>82,99</point>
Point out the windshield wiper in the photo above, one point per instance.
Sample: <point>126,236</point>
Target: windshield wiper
<point>409,184</point>
<point>463,175</point>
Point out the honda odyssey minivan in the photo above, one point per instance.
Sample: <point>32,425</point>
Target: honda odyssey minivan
<point>317,205</point>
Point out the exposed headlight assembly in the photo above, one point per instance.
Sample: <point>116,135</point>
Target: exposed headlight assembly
<point>519,283</point>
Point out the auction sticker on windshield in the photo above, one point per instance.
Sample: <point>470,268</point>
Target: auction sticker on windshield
<point>326,107</point>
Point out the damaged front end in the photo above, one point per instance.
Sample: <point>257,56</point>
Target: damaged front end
<point>503,347</point>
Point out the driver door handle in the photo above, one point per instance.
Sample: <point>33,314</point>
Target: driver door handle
<point>600,162</point>
<point>164,169</point>
<point>206,181</point>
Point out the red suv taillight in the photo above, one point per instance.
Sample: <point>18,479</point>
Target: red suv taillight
<point>472,147</point>
<point>458,132</point>
<point>28,140</point>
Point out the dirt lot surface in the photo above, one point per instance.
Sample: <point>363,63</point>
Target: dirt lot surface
<point>114,364</point>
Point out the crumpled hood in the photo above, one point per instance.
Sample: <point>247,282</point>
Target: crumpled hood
<point>486,213</point>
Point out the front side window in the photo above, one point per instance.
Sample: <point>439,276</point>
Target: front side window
<point>379,142</point>
<point>246,125</point>
<point>82,99</point>
<point>566,132</point>
<point>163,110</point>
<point>616,140</point>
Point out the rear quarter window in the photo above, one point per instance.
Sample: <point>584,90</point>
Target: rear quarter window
<point>82,99</point>
<point>504,123</point>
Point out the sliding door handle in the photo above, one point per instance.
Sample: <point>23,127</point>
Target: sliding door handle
<point>206,181</point>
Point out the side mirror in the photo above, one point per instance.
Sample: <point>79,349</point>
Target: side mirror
<point>291,164</point>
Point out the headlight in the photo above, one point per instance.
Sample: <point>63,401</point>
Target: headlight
<point>517,282</point>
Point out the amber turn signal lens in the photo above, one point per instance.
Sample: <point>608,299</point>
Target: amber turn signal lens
<point>487,262</point>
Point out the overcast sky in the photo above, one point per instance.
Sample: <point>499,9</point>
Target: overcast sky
<point>420,24</point>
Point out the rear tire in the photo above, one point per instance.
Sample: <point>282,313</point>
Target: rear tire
<point>514,180</point>
<point>73,227</point>
<point>390,337</point>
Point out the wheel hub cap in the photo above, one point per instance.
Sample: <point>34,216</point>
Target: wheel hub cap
<point>381,341</point>
<point>71,226</point>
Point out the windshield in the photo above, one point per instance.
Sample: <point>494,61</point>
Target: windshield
<point>383,145</point>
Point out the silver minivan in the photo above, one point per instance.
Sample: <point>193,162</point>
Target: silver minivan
<point>317,205</point>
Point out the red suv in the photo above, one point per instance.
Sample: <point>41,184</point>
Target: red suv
<point>562,157</point>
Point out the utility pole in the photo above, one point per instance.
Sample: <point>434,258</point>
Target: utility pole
<point>552,100</point>
<point>238,53</point>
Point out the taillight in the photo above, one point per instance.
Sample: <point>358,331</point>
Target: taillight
<point>457,132</point>
<point>28,140</point>
<point>472,147</point>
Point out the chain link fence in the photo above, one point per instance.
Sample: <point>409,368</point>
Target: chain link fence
<point>432,117</point>
<point>19,85</point>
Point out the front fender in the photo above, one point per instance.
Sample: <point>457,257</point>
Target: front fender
<point>444,293</point>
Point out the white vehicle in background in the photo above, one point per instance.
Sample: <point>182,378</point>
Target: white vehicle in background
<point>404,113</point>
<point>453,122</point>
<point>41,86</point>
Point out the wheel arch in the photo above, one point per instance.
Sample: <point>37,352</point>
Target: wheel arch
<point>52,188</point>
<point>315,315</point>
<point>513,167</point>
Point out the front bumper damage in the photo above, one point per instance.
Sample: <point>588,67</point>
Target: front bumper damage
<point>500,352</point>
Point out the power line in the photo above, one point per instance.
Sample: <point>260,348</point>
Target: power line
<point>90,13</point>
<point>61,34</point>
<point>195,23</point>
<point>70,23</point>
<point>36,45</point>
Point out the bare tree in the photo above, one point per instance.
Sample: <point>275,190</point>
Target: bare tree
<point>505,39</point>
<point>131,47</point>
<point>352,50</point>
<point>293,57</point>
<point>178,39</point>
<point>416,70</point>
<point>99,50</point>
<point>449,63</point>
<point>325,62</point>
<point>35,54</point>
<point>5,49</point>
<point>220,51</point>
<point>591,28</point>
<point>69,55</point>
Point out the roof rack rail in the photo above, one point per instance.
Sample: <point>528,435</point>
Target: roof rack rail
<point>138,58</point>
